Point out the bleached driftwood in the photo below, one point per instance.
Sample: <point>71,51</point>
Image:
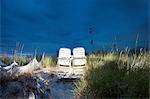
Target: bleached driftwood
<point>31,66</point>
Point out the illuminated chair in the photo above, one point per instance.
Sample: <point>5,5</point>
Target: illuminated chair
<point>79,58</point>
<point>79,61</point>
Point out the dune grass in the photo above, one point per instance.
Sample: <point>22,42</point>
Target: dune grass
<point>49,61</point>
<point>115,75</point>
<point>21,60</point>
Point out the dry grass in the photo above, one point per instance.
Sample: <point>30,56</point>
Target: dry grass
<point>21,60</point>
<point>49,62</point>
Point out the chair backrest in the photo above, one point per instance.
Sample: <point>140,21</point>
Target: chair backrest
<point>79,52</point>
<point>64,53</point>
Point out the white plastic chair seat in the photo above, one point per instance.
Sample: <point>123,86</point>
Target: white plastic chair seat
<point>64,61</point>
<point>79,61</point>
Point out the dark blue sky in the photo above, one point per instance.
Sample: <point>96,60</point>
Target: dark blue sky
<point>47,25</point>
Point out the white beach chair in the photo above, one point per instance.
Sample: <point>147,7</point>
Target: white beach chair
<point>79,60</point>
<point>64,57</point>
<point>64,60</point>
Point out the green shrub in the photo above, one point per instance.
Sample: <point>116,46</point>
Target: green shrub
<point>115,76</point>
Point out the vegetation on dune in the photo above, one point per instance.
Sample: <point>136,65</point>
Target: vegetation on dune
<point>108,74</point>
<point>23,60</point>
<point>49,61</point>
<point>5,59</point>
<point>115,75</point>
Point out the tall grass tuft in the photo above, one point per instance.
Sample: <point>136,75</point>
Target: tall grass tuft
<point>49,61</point>
<point>115,75</point>
<point>22,60</point>
<point>5,59</point>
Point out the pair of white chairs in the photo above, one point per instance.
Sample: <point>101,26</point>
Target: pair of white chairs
<point>66,59</point>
